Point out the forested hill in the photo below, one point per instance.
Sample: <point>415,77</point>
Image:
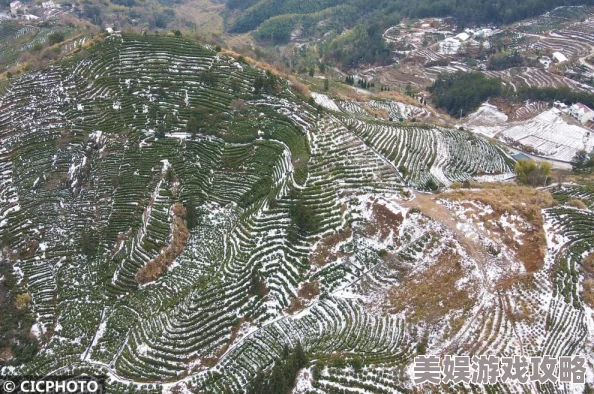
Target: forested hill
<point>383,13</point>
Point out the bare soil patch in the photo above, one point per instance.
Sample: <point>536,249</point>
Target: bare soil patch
<point>430,295</point>
<point>524,202</point>
<point>323,253</point>
<point>159,265</point>
<point>588,283</point>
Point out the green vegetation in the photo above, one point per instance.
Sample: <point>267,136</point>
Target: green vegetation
<point>273,21</point>
<point>563,94</point>
<point>270,188</point>
<point>303,217</point>
<point>583,162</point>
<point>281,378</point>
<point>261,11</point>
<point>258,190</point>
<point>278,28</point>
<point>191,213</point>
<point>466,12</point>
<point>461,93</point>
<point>17,345</point>
<point>55,38</point>
<point>505,60</point>
<point>533,173</point>
<point>361,45</point>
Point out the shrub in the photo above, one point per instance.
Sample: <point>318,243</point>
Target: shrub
<point>533,173</point>
<point>55,38</point>
<point>431,185</point>
<point>582,161</point>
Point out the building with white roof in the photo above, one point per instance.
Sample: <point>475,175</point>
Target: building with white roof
<point>558,57</point>
<point>463,36</point>
<point>581,113</point>
<point>15,5</point>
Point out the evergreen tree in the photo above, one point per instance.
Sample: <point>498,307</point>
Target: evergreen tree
<point>579,162</point>
<point>258,84</point>
<point>191,213</point>
<point>283,374</point>
<point>408,91</point>
<point>235,85</point>
<point>161,128</point>
<point>192,127</point>
<point>300,356</point>
<point>270,82</point>
<point>530,172</point>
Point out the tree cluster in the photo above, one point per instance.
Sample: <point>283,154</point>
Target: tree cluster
<point>364,44</point>
<point>191,213</point>
<point>583,161</point>
<point>461,93</point>
<point>303,217</point>
<point>465,12</point>
<point>55,38</point>
<point>267,83</point>
<point>563,94</point>
<point>505,60</point>
<point>533,173</point>
<point>365,21</point>
<point>281,379</point>
<point>17,345</point>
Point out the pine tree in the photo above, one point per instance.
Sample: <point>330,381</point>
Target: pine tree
<point>192,127</point>
<point>278,383</point>
<point>300,356</point>
<point>161,128</point>
<point>191,214</point>
<point>579,161</point>
<point>235,85</point>
<point>258,84</point>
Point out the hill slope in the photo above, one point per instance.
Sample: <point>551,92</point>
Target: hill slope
<point>178,217</point>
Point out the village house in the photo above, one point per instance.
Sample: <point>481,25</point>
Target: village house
<point>15,6</point>
<point>48,4</point>
<point>558,57</point>
<point>463,36</point>
<point>582,113</point>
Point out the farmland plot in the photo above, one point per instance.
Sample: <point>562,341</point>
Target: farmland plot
<point>546,134</point>
<point>392,109</point>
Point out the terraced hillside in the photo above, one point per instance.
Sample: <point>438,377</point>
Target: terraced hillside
<point>182,221</point>
<point>18,41</point>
